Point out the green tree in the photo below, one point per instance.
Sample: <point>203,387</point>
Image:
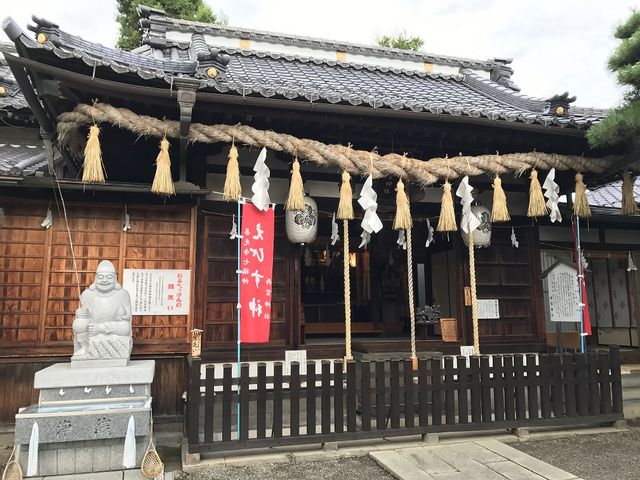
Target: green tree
<point>401,41</point>
<point>130,37</point>
<point>622,124</point>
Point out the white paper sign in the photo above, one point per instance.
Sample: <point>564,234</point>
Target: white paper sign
<point>564,295</point>
<point>299,356</point>
<point>158,292</point>
<point>467,350</point>
<point>488,308</point>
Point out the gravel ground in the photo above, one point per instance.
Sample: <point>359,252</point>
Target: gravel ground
<point>592,457</point>
<point>361,468</point>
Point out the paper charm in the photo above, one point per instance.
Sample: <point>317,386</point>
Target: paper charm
<point>585,264</point>
<point>260,187</point>
<point>34,443</point>
<point>48,220</point>
<point>631,267</point>
<point>430,239</point>
<point>126,220</point>
<point>87,389</point>
<point>108,389</point>
<point>552,192</point>
<point>514,240</point>
<point>469,221</point>
<point>233,234</point>
<point>402,240</point>
<point>366,238</point>
<point>126,225</point>
<point>129,453</point>
<point>131,390</point>
<point>61,392</point>
<point>369,202</point>
<point>334,230</point>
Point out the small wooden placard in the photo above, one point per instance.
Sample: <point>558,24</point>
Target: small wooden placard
<point>449,329</point>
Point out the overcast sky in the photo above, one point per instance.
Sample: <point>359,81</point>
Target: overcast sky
<point>557,45</point>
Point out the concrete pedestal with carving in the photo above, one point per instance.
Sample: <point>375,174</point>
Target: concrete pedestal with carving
<point>83,414</point>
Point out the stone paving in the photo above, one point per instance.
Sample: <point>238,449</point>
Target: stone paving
<point>477,460</point>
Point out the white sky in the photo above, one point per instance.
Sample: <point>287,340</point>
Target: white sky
<point>557,45</point>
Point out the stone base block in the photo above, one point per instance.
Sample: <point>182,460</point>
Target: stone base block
<point>81,457</point>
<point>61,375</point>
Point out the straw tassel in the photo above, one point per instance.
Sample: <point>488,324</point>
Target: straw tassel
<point>163,181</point>
<point>295,200</point>
<point>345,207</point>
<point>537,205</point>
<point>581,202</point>
<point>447,220</point>
<point>93,169</point>
<point>403,213</point>
<point>232,188</point>
<point>629,205</point>
<point>499,211</point>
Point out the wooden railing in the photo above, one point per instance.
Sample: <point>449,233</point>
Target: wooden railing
<point>389,398</point>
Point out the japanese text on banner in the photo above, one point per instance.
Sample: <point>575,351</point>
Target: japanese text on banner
<point>256,284</point>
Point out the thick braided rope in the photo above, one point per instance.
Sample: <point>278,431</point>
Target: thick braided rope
<point>347,293</point>
<point>474,298</point>
<point>344,158</point>
<point>412,311</point>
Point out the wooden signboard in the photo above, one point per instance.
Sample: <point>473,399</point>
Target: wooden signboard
<point>564,295</point>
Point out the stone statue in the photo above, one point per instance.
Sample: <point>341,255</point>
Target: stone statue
<point>102,327</point>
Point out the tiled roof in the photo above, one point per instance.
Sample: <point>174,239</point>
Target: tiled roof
<point>253,73</point>
<point>21,159</point>
<point>610,195</point>
<point>12,97</point>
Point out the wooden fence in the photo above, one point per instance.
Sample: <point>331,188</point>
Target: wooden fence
<point>389,398</point>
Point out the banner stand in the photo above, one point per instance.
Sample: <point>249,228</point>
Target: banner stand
<point>238,273</point>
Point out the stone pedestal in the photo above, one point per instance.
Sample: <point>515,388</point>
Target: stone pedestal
<point>83,414</point>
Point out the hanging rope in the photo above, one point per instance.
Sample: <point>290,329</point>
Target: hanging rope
<point>474,299</point>
<point>412,309</point>
<point>347,292</point>
<point>345,158</point>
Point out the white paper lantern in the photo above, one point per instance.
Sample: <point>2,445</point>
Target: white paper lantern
<point>302,226</point>
<point>482,234</point>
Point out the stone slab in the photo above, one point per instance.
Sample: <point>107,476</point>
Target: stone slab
<point>527,461</point>
<point>398,466</point>
<point>63,426</point>
<point>114,362</point>
<point>61,375</point>
<point>72,394</point>
<point>513,471</point>
<point>86,476</point>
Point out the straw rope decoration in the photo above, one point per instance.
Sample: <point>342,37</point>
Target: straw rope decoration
<point>358,162</point>
<point>581,202</point>
<point>404,222</point>
<point>345,213</point>
<point>93,167</point>
<point>163,181</point>
<point>232,188</point>
<point>474,297</point>
<point>295,199</point>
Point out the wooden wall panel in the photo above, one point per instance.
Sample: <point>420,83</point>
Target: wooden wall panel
<point>38,284</point>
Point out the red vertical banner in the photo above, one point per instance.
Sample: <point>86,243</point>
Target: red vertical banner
<point>256,263</point>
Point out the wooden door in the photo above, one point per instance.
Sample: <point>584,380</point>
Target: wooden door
<point>218,258</point>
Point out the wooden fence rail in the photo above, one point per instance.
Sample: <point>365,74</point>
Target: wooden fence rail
<point>390,398</point>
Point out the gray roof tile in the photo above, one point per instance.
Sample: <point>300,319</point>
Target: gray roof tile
<point>247,72</point>
<point>18,159</point>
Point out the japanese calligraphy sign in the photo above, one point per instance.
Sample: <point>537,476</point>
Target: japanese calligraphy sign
<point>158,292</point>
<point>256,271</point>
<point>564,294</point>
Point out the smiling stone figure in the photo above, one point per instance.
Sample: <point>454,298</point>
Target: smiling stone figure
<point>102,327</point>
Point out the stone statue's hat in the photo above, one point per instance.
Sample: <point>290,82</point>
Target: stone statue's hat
<point>105,266</point>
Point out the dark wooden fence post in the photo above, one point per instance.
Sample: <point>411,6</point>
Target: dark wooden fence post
<point>594,387</point>
<point>244,395</point>
<point>325,396</point>
<point>227,402</point>
<point>261,401</point>
<point>209,395</point>
<point>381,402</point>
<point>463,397</point>
<point>518,366</point>
<point>311,397</point>
<point>616,379</point>
<point>486,388</point>
<point>582,385</point>
<point>498,388</point>
<point>604,367</point>
<point>276,429</point>
<point>409,405</point>
<point>338,397</point>
<point>568,368</point>
<point>476,389</point>
<point>365,394</point>
<point>394,392</point>
<point>193,402</point>
<point>557,390</point>
<point>509,389</point>
<point>545,386</point>
<point>294,402</point>
<point>351,396</point>
<point>449,395</point>
<point>532,386</point>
